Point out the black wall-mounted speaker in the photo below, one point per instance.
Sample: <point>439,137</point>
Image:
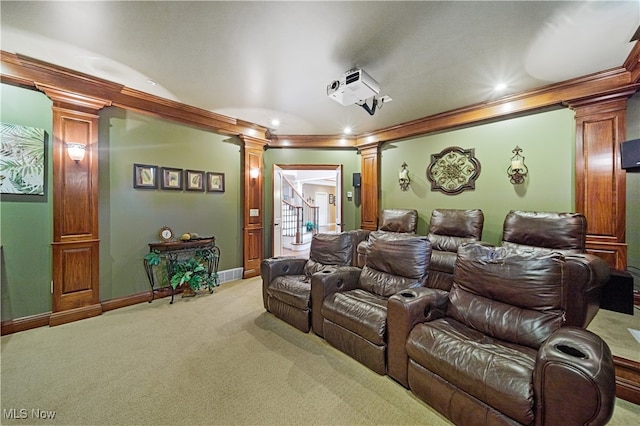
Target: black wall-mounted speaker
<point>630,153</point>
<point>357,181</point>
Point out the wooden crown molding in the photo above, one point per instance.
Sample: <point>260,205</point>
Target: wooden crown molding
<point>602,83</point>
<point>29,72</point>
<point>24,71</point>
<point>632,64</point>
<point>312,141</point>
<point>74,99</point>
<point>251,142</point>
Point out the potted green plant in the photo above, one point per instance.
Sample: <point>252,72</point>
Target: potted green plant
<point>309,226</point>
<point>191,271</point>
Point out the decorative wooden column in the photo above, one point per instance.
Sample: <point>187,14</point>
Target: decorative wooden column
<point>370,189</point>
<point>600,179</point>
<point>253,217</point>
<point>75,207</point>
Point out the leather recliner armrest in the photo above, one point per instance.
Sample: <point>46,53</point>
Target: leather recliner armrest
<point>326,283</point>
<point>404,310</point>
<point>588,275</point>
<point>278,266</point>
<point>574,379</point>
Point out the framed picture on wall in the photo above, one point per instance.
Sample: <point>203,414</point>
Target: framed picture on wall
<point>215,182</point>
<point>332,199</point>
<point>145,176</point>
<point>194,180</point>
<point>171,179</point>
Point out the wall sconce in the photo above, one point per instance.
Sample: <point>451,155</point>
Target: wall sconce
<point>403,177</point>
<point>76,151</point>
<point>254,172</point>
<point>517,170</point>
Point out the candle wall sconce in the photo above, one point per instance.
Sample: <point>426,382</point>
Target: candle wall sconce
<point>517,170</point>
<point>403,177</point>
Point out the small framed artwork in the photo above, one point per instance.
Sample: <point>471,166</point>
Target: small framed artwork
<point>171,179</point>
<point>194,180</point>
<point>215,182</point>
<point>145,176</point>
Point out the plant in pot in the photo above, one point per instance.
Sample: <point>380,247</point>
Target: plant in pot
<point>309,226</point>
<point>190,272</point>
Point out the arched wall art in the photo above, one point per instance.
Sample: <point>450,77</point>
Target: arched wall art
<point>453,170</point>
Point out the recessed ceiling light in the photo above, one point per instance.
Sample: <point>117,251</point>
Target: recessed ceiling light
<point>346,130</point>
<point>151,82</point>
<point>500,86</point>
<point>275,122</point>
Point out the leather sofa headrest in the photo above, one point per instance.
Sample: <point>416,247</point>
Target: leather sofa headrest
<point>559,231</point>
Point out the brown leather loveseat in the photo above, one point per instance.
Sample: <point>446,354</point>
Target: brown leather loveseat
<point>503,346</point>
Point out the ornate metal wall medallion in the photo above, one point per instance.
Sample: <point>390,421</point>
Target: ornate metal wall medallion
<point>453,170</point>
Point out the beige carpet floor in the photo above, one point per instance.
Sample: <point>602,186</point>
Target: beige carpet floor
<point>212,359</point>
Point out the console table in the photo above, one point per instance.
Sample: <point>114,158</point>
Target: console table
<point>174,251</point>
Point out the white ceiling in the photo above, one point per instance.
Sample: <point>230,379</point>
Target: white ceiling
<point>262,60</point>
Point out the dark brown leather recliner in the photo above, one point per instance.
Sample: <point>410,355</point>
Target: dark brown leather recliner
<point>448,230</point>
<point>286,281</point>
<point>561,232</point>
<point>404,221</point>
<point>354,311</point>
<point>500,348</point>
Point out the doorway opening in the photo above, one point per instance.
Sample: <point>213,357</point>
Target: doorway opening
<point>306,201</point>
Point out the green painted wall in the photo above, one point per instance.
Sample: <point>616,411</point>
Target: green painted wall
<point>633,195</point>
<point>131,218</point>
<point>26,229</point>
<point>350,161</point>
<point>547,140</point>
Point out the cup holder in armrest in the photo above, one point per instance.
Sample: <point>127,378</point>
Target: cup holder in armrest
<point>328,271</point>
<point>568,350</point>
<point>407,294</point>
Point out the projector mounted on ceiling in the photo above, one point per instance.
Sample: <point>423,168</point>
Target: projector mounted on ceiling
<point>356,87</point>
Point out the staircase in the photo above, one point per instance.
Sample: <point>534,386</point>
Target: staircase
<point>299,219</point>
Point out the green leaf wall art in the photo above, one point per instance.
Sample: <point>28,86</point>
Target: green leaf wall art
<point>21,159</point>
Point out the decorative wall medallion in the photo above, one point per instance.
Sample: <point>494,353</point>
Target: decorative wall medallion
<point>453,170</point>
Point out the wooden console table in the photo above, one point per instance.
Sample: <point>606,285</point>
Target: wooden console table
<point>174,251</point>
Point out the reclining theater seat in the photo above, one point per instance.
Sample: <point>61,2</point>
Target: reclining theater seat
<point>560,232</point>
<point>448,230</point>
<point>496,348</point>
<point>563,232</point>
<point>403,221</point>
<point>286,281</point>
<point>354,310</point>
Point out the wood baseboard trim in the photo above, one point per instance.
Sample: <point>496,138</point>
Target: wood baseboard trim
<point>134,299</point>
<point>71,315</point>
<point>123,302</point>
<point>627,379</point>
<point>24,323</point>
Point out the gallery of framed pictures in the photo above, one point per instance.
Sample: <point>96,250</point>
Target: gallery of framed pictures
<point>23,162</point>
<point>146,176</point>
